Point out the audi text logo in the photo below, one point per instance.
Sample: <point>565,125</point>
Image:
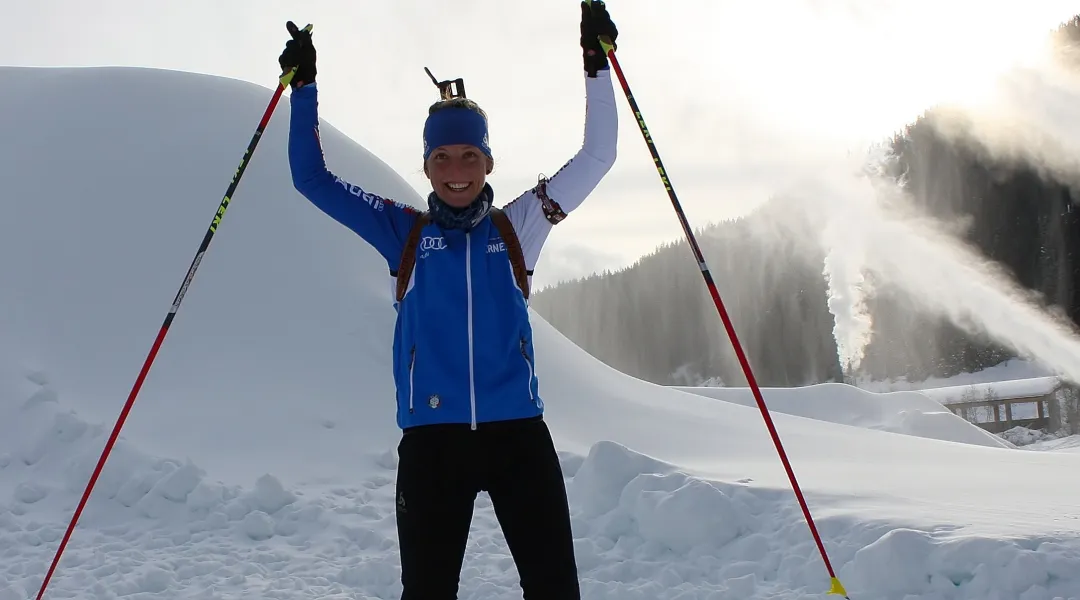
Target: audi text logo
<point>432,243</point>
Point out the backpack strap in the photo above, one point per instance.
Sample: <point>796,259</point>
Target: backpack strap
<point>513,248</point>
<point>506,230</point>
<point>408,255</point>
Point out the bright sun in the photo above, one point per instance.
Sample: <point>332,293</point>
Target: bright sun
<point>852,69</point>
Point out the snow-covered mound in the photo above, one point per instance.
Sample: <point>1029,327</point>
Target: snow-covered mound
<point>259,460</point>
<point>911,413</point>
<point>110,179</point>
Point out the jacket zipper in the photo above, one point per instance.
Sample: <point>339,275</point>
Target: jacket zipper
<point>468,284</point>
<point>528,360</point>
<point>412,365</point>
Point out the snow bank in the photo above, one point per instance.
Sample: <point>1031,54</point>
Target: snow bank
<point>905,563</point>
<point>1022,436</point>
<point>1069,443</point>
<point>159,528</point>
<point>747,542</point>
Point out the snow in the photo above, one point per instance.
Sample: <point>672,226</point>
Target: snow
<point>259,459</point>
<point>1028,439</point>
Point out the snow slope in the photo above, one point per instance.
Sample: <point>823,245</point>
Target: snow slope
<point>259,459</point>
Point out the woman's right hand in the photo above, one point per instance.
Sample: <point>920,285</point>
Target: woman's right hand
<point>300,53</point>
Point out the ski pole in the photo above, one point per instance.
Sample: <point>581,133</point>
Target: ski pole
<point>283,82</point>
<point>609,49</point>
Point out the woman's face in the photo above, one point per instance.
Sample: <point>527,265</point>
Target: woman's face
<point>457,173</point>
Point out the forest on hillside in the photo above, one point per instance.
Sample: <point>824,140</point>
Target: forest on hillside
<point>655,319</point>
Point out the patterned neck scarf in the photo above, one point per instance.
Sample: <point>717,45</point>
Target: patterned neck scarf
<point>465,218</point>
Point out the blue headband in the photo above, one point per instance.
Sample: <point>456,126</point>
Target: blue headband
<point>455,126</point>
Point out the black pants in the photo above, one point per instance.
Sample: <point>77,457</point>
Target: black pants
<point>441,470</point>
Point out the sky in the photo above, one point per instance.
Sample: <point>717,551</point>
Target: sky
<point>742,99</point>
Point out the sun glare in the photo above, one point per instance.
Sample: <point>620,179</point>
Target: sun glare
<point>855,71</point>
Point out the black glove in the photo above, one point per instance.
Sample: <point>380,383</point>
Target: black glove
<point>300,53</point>
<point>595,22</point>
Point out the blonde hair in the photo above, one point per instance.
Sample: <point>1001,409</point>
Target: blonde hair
<point>457,103</point>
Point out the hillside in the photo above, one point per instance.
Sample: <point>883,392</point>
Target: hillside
<point>656,319</point>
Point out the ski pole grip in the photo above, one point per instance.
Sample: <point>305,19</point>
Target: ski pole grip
<point>606,44</point>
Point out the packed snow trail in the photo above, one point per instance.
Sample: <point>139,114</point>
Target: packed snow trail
<point>259,459</point>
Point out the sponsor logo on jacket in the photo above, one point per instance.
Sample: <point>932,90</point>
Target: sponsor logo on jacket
<point>428,243</point>
<point>374,201</point>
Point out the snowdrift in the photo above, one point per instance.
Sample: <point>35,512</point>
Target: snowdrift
<point>258,461</point>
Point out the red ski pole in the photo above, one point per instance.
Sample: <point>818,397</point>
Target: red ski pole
<point>609,48</point>
<point>283,82</point>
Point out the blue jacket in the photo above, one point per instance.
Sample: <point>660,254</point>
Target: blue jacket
<point>463,348</point>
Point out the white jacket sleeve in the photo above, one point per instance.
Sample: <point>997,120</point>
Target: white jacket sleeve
<point>535,212</point>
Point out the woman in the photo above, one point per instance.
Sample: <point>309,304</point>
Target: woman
<point>467,398</point>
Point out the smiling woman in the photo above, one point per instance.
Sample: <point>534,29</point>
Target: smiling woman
<point>457,161</point>
<point>468,400</point>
